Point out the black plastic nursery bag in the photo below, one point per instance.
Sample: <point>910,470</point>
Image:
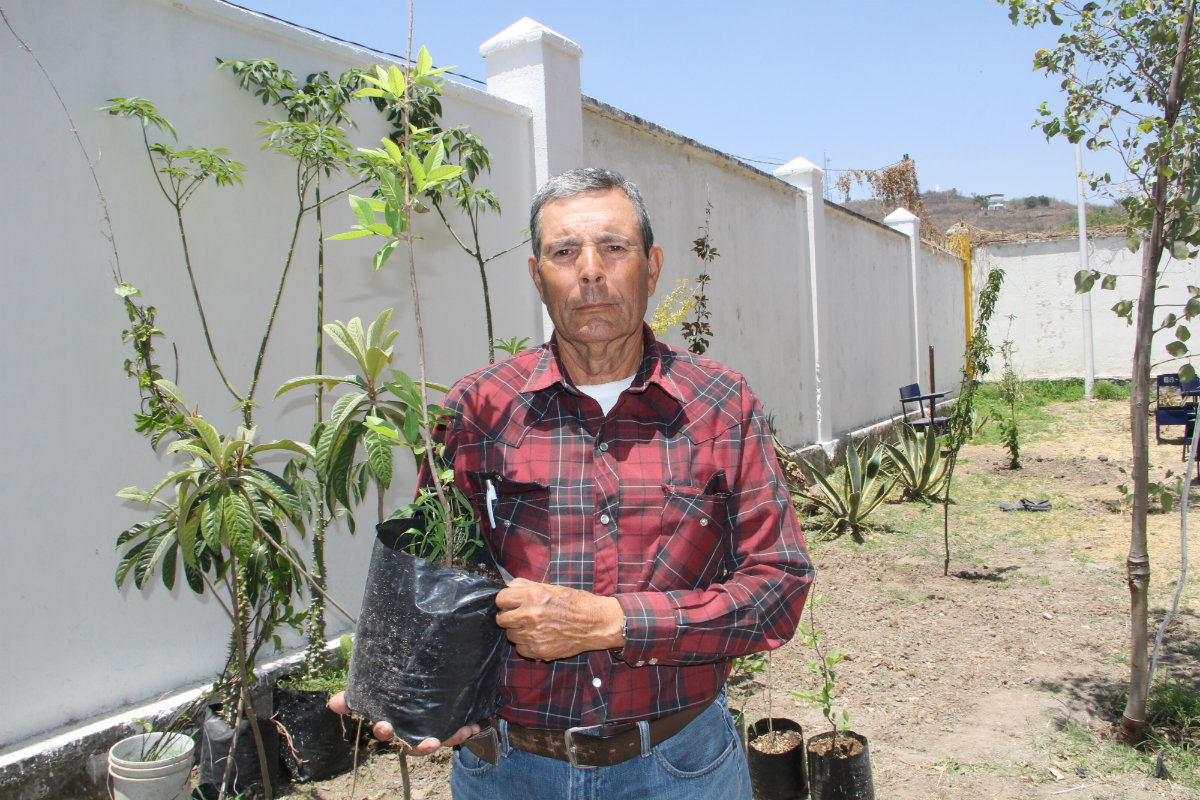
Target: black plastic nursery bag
<point>427,650</point>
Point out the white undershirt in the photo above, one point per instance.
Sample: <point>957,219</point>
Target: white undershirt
<point>606,394</point>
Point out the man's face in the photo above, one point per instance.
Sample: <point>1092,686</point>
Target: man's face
<point>592,272</point>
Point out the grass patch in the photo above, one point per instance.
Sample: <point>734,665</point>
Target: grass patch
<point>1032,418</point>
<point>1173,737</point>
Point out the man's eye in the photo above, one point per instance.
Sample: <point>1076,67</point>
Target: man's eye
<point>616,248</point>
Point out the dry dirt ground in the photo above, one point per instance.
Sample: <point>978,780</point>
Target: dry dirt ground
<point>965,683</point>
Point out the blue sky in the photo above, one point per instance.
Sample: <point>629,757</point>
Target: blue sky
<point>844,83</point>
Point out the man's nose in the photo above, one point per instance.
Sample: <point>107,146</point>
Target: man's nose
<point>591,266</point>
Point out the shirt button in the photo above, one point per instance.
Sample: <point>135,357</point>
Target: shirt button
<point>596,682</point>
<point>704,522</point>
<point>605,519</point>
<point>639,663</point>
<point>604,447</point>
<point>652,661</point>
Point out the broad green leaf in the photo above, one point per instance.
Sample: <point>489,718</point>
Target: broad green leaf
<point>381,426</point>
<point>1124,308</point>
<point>379,456</point>
<point>185,534</point>
<point>172,390</point>
<point>135,494</point>
<point>376,361</point>
<point>1084,280</point>
<point>342,338</point>
<point>284,444</point>
<point>212,525</point>
<point>383,255</point>
<point>378,329</point>
<point>330,382</point>
<point>186,446</point>
<point>208,435</point>
<point>236,511</point>
<point>278,490</point>
<point>337,237</point>
<point>362,211</point>
<point>1109,282</point>
<point>1177,349</point>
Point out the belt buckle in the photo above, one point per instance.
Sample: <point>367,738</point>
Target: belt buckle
<point>569,737</point>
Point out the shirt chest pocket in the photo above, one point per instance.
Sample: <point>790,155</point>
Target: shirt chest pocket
<point>520,534</point>
<point>692,541</point>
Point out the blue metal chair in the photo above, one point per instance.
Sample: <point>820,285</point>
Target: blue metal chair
<point>1168,387</point>
<point>925,403</point>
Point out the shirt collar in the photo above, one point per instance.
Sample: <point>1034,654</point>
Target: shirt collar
<point>549,371</point>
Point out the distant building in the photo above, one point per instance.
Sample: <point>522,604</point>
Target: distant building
<point>994,201</point>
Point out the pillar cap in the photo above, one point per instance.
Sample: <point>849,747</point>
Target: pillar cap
<point>798,166</point>
<point>528,31</point>
<point>899,216</point>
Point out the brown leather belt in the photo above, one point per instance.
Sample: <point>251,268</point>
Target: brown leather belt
<point>590,746</point>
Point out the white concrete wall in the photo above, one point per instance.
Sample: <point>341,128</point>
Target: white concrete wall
<point>75,647</point>
<point>940,288</point>
<point>867,317</point>
<point>1047,318</point>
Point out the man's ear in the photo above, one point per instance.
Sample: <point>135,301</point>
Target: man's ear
<point>537,277</point>
<point>654,264</point>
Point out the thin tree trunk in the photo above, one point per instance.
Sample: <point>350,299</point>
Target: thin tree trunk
<point>1137,564</point>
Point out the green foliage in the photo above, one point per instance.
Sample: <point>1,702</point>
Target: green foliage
<point>916,463</point>
<point>157,417</point>
<point>512,346</point>
<point>697,331</point>
<point>1011,393</point>
<point>226,521</point>
<point>337,440</point>
<point>823,668</point>
<point>976,358</point>
<point>1165,493</point>
<point>864,485</point>
<point>1118,60</point>
<point>741,682</point>
<point>458,147</point>
<point>328,677</point>
<point>374,415</point>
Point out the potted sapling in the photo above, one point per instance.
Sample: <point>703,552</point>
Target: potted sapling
<point>427,650</point>
<point>839,761</point>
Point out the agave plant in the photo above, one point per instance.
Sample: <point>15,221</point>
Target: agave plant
<point>864,486</point>
<point>917,464</point>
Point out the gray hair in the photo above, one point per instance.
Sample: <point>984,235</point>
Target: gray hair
<point>578,181</point>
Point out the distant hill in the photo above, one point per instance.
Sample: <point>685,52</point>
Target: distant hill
<point>1021,215</point>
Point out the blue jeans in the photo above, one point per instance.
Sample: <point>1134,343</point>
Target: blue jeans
<point>704,761</point>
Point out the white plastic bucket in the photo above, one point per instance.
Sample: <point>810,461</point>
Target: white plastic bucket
<point>165,778</point>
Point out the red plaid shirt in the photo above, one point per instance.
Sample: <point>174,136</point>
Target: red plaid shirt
<point>673,503</point>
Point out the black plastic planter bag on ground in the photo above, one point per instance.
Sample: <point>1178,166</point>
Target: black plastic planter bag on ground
<point>315,742</point>
<point>427,650</point>
<point>245,779</point>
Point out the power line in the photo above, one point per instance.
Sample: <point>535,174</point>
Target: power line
<point>359,45</point>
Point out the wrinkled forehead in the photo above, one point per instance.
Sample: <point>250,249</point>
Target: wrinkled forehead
<point>595,212</point>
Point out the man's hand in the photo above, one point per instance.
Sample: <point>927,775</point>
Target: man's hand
<point>383,731</point>
<point>548,622</point>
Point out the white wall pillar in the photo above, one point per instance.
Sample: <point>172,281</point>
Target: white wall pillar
<point>907,223</point>
<point>809,179</point>
<point>529,64</point>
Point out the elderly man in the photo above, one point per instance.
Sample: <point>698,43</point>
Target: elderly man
<point>632,490</point>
